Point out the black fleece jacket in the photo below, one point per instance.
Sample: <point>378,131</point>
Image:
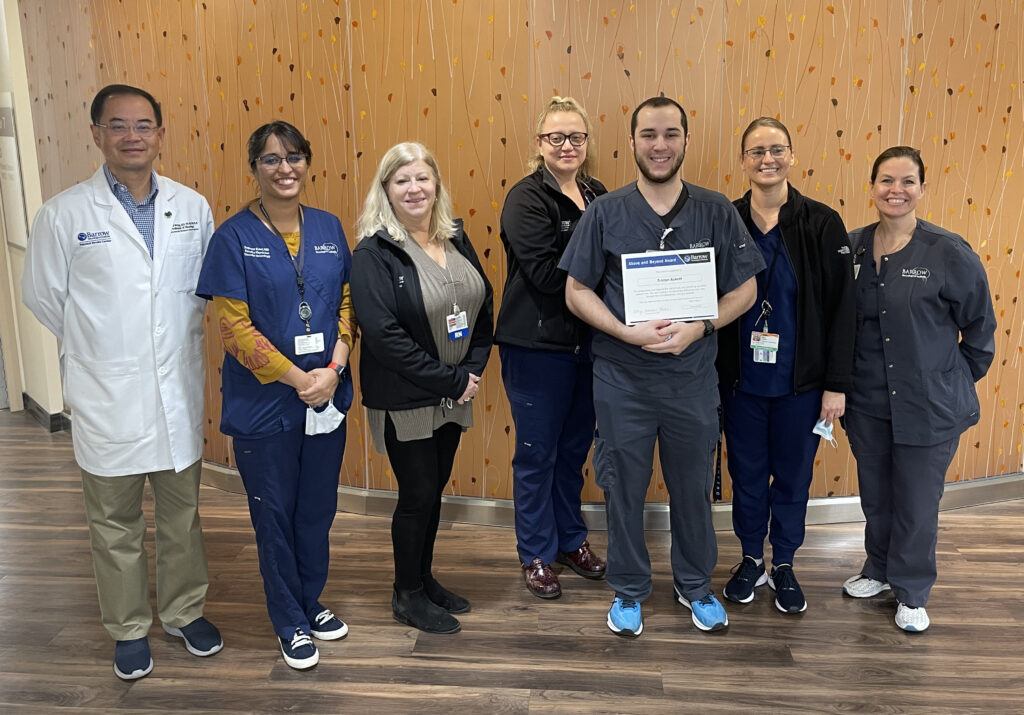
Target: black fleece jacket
<point>819,249</point>
<point>537,222</point>
<point>398,366</point>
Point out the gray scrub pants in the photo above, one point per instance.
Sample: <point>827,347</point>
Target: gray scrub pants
<point>686,429</point>
<point>900,488</point>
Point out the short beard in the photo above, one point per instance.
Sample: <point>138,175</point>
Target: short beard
<point>660,180</point>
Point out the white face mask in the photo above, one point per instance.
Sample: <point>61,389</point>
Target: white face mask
<point>824,429</point>
<point>325,421</point>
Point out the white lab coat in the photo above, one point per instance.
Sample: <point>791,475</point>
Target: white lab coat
<point>130,327</point>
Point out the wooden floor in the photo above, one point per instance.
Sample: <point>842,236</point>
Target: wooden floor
<point>516,654</point>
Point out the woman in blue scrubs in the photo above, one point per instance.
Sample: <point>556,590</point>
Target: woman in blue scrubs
<point>277,273</point>
<point>545,352</point>
<point>784,365</point>
<point>925,335</point>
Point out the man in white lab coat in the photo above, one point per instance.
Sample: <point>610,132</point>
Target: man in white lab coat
<point>111,270</point>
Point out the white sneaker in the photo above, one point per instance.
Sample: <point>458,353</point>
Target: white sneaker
<point>912,620</point>
<point>860,586</point>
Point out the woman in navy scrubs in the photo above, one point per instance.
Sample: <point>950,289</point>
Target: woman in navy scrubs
<point>925,335</point>
<point>424,305</point>
<point>545,352</point>
<point>277,273</point>
<point>802,323</point>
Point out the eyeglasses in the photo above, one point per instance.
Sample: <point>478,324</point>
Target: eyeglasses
<point>557,139</point>
<point>272,161</point>
<point>120,129</point>
<point>778,151</point>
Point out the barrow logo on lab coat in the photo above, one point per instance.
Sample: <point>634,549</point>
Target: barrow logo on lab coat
<point>91,238</point>
<point>921,273</point>
<point>331,248</point>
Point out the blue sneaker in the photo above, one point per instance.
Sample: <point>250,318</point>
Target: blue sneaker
<point>299,651</point>
<point>624,618</point>
<point>708,612</point>
<point>201,637</point>
<point>132,659</point>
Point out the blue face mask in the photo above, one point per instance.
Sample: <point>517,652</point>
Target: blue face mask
<point>824,429</point>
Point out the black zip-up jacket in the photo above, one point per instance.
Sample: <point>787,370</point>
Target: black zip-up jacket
<point>398,366</point>
<point>819,250</point>
<point>537,222</point>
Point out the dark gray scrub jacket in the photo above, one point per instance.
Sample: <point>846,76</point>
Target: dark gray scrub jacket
<point>937,329</point>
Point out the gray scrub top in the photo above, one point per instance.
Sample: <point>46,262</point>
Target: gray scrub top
<point>936,331</point>
<point>623,222</point>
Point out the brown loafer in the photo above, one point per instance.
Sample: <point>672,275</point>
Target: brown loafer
<point>584,562</point>
<point>541,580</point>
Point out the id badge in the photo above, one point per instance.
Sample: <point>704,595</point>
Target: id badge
<point>856,270</point>
<point>307,344</point>
<point>458,325</point>
<point>765,346</point>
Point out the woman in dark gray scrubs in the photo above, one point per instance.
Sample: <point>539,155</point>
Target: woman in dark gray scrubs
<point>925,335</point>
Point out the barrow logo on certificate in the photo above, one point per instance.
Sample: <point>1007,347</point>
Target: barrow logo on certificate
<point>670,285</point>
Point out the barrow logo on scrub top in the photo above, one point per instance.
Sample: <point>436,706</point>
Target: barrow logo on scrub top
<point>919,273</point>
<point>91,238</point>
<point>331,248</point>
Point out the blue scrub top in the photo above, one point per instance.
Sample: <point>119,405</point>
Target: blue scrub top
<point>247,261</point>
<point>765,379</point>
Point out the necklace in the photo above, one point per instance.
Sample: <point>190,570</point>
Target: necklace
<point>887,245</point>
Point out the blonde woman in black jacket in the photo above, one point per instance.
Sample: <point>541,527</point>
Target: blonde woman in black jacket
<point>427,335</point>
<point>545,352</point>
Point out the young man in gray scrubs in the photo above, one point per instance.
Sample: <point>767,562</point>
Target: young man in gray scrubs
<point>657,379</point>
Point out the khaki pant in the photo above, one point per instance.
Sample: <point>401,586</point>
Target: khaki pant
<point>113,506</point>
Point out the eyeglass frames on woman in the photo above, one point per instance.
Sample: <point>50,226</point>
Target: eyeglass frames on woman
<point>557,139</point>
<point>272,161</point>
<point>778,151</point>
<point>120,129</point>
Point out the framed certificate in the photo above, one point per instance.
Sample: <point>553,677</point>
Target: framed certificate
<point>670,285</point>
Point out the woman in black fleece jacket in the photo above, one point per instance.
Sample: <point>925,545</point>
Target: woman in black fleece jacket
<point>784,365</point>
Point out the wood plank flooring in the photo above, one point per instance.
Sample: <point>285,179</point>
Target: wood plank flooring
<point>516,654</point>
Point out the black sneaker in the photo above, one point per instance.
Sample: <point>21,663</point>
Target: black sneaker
<point>788,596</point>
<point>746,576</point>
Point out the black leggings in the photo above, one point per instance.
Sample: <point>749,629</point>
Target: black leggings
<point>422,468</point>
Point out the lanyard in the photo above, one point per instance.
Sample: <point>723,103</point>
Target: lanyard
<point>305,312</point>
<point>766,307</point>
<point>451,280</point>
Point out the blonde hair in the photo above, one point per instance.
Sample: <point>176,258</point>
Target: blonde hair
<point>562,104</point>
<point>377,210</point>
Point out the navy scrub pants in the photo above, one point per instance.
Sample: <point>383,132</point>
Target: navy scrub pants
<point>771,452</point>
<point>552,401</point>
<point>686,429</point>
<point>900,488</point>
<point>291,479</point>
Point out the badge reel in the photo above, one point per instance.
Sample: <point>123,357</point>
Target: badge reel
<point>764,344</point>
<point>310,342</point>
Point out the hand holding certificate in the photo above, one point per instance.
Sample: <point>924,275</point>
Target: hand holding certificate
<point>670,285</point>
